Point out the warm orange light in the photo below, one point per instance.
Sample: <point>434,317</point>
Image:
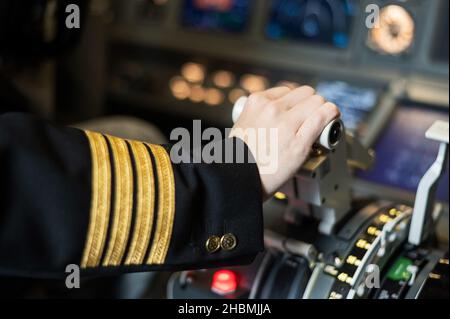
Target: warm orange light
<point>180,88</point>
<point>224,79</point>
<point>214,97</point>
<point>193,72</point>
<point>235,94</point>
<point>197,94</point>
<point>224,282</point>
<point>254,83</point>
<point>396,32</point>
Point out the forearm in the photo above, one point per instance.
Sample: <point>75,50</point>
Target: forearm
<point>111,205</point>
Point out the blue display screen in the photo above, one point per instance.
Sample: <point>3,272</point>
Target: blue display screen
<point>403,154</point>
<point>313,21</point>
<point>217,15</point>
<point>354,102</point>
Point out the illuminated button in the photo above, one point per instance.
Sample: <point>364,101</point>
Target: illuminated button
<point>373,231</point>
<point>393,212</point>
<point>280,196</point>
<point>228,242</point>
<point>235,95</point>
<point>254,83</point>
<point>223,79</point>
<point>335,295</point>
<point>197,94</point>
<point>224,282</point>
<point>385,219</point>
<point>363,244</point>
<point>193,72</point>
<point>214,97</point>
<point>213,244</point>
<point>331,270</point>
<point>353,260</point>
<point>343,277</point>
<point>180,88</point>
<point>434,276</point>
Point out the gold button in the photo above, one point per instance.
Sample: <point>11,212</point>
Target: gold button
<point>213,244</point>
<point>228,242</point>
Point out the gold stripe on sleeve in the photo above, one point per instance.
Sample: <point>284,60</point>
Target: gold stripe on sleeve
<point>166,206</point>
<point>123,203</point>
<point>145,205</point>
<point>100,201</point>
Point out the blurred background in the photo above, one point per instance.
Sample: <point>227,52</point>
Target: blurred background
<point>144,67</point>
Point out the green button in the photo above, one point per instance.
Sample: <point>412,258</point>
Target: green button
<point>399,271</point>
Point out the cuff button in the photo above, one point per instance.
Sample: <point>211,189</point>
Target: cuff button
<point>213,244</point>
<point>228,242</point>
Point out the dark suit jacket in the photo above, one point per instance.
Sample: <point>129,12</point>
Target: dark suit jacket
<point>114,206</point>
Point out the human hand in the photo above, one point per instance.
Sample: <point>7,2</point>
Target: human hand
<point>298,116</point>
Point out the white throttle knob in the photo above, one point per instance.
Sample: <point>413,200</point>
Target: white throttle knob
<point>330,137</point>
<point>332,134</point>
<point>239,108</point>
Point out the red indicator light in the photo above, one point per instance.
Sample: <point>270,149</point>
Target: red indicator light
<point>224,282</point>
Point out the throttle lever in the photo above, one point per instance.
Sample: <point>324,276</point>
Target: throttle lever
<point>330,138</point>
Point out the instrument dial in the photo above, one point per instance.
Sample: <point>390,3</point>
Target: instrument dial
<point>395,33</point>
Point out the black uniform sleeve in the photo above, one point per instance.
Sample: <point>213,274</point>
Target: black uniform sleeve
<point>72,197</point>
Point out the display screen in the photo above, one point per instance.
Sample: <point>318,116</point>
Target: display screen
<point>403,154</point>
<point>354,102</point>
<point>439,51</point>
<point>152,11</point>
<point>217,15</point>
<point>313,21</point>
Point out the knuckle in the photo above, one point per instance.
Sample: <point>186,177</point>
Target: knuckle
<point>256,99</point>
<point>277,104</point>
<point>273,108</point>
<point>308,89</point>
<point>321,116</point>
<point>319,99</point>
<point>285,87</point>
<point>333,109</point>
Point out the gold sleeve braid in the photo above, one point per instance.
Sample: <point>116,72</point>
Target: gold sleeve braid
<point>114,207</point>
<point>123,202</point>
<point>166,208</point>
<point>100,201</point>
<point>145,205</point>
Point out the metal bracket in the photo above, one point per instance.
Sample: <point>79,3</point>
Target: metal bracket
<point>426,192</point>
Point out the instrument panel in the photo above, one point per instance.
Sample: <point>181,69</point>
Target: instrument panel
<point>317,22</point>
<point>193,59</point>
<point>216,15</point>
<point>403,152</point>
<point>342,269</point>
<point>356,102</point>
<point>257,41</point>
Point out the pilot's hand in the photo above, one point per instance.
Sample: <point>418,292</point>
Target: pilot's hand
<point>298,116</point>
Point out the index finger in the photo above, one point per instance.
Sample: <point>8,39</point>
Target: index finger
<point>276,92</point>
<point>313,126</point>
